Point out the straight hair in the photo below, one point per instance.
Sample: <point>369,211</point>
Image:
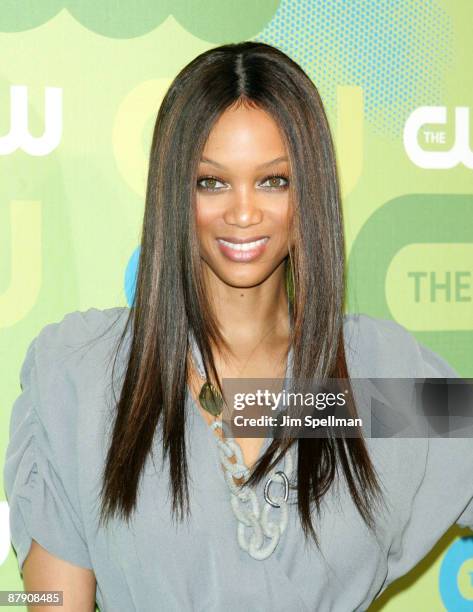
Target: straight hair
<point>170,298</point>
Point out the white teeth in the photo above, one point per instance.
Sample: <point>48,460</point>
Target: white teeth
<point>247,246</point>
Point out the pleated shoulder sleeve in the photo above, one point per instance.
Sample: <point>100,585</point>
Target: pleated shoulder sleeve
<point>441,476</point>
<point>40,469</point>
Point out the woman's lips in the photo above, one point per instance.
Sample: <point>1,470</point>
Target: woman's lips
<point>242,252</point>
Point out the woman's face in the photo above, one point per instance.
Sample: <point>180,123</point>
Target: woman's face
<point>243,197</point>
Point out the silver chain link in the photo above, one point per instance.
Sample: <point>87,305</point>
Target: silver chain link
<point>245,503</point>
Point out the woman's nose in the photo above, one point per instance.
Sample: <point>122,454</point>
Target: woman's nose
<point>243,209</point>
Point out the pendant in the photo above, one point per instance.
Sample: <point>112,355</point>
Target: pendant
<point>210,399</point>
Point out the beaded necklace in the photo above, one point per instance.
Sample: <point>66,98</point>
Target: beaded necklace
<point>244,502</point>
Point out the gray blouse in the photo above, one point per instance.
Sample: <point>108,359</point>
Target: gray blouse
<point>59,431</point>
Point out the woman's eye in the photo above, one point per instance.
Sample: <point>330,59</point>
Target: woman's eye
<point>274,182</point>
<point>209,183</point>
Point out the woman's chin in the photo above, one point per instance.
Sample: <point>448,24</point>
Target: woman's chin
<point>245,279</point>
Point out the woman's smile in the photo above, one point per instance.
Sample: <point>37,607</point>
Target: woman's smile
<point>242,251</point>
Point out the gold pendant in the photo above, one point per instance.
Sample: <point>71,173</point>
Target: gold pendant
<point>210,399</point>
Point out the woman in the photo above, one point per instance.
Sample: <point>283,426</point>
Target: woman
<point>241,275</point>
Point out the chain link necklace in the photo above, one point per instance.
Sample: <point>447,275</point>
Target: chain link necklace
<point>244,501</point>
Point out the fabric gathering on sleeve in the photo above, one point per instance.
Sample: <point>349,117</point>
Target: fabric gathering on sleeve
<point>444,497</point>
<point>437,367</point>
<point>37,470</point>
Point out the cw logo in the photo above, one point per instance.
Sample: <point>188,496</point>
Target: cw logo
<point>19,136</point>
<point>460,151</point>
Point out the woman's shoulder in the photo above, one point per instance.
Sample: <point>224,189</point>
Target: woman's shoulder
<point>78,330</point>
<point>362,326</point>
<point>72,355</point>
<point>82,325</point>
<point>377,347</point>
<point>65,381</point>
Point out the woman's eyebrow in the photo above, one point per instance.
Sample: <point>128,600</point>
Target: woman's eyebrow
<point>268,163</point>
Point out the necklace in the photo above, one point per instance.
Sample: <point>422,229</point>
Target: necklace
<point>244,502</point>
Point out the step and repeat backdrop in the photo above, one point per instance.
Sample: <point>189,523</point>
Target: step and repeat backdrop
<point>80,86</point>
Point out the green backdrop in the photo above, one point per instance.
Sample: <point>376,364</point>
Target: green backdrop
<point>80,85</point>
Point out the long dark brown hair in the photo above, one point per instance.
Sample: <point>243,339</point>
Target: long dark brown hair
<point>170,298</point>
